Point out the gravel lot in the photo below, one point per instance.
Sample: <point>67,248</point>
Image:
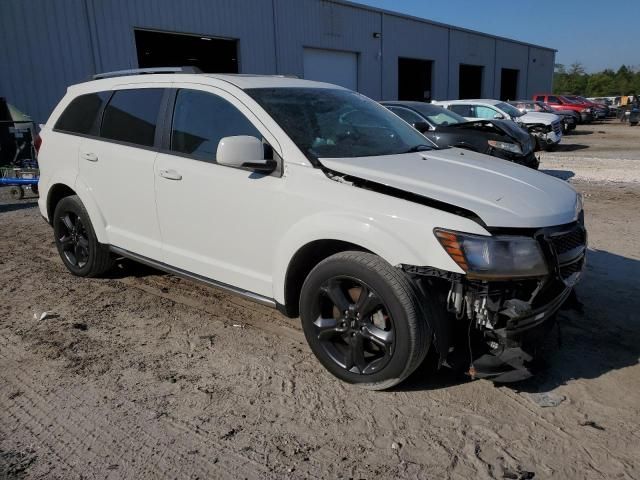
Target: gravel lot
<point>143,375</point>
<point>601,152</point>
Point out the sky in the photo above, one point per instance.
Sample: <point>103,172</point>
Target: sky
<point>597,33</point>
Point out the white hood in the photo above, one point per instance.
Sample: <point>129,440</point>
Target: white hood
<point>501,193</point>
<point>538,117</point>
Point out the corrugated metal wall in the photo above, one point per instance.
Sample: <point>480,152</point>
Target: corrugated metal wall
<point>409,38</point>
<point>514,56</point>
<point>325,24</point>
<point>250,21</point>
<point>46,46</point>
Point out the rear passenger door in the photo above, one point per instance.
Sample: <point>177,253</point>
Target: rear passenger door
<point>117,169</point>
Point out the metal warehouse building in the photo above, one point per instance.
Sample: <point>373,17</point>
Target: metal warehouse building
<point>46,45</point>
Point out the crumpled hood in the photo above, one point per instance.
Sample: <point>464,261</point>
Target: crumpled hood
<point>501,193</point>
<point>538,117</point>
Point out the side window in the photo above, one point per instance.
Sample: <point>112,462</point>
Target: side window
<point>485,112</point>
<point>553,99</point>
<point>407,115</point>
<point>131,116</point>
<point>201,120</point>
<point>540,98</point>
<point>464,110</point>
<point>80,115</point>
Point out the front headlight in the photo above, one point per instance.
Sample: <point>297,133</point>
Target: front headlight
<point>494,258</point>
<point>509,147</point>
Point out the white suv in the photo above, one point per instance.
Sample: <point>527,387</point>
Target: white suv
<point>545,127</point>
<point>316,200</point>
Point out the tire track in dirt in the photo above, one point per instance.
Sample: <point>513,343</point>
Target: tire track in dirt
<point>78,424</point>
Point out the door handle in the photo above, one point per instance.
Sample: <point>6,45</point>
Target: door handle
<point>170,175</point>
<point>89,156</point>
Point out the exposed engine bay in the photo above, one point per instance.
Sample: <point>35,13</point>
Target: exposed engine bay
<point>494,328</point>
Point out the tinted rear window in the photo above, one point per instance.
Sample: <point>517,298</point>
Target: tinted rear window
<point>80,115</point>
<point>131,116</point>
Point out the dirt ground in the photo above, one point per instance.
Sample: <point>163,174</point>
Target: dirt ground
<point>143,375</point>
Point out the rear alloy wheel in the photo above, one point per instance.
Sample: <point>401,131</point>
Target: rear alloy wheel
<point>77,243</point>
<point>363,320</point>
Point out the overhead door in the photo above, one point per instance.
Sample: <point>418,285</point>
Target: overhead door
<point>331,66</point>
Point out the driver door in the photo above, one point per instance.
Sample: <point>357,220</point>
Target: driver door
<point>216,221</point>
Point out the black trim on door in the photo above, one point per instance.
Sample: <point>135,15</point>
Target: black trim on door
<point>269,302</point>
<point>169,101</point>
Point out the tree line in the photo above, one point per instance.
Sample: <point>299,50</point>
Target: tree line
<point>574,80</point>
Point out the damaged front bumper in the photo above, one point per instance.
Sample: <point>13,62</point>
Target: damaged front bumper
<point>497,327</point>
<point>512,349</point>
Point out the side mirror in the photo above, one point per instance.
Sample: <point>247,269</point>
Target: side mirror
<point>422,126</point>
<point>244,151</point>
<point>498,116</point>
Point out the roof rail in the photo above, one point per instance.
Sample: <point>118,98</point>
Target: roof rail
<point>146,71</point>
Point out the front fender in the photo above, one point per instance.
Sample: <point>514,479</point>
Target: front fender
<point>362,231</point>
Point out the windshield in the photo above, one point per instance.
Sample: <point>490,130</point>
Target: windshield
<point>509,109</point>
<point>438,115</point>
<point>571,100</point>
<point>332,123</point>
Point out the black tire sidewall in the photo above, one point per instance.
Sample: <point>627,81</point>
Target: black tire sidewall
<point>74,205</point>
<point>397,366</point>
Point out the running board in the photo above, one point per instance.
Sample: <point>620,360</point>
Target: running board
<point>192,276</point>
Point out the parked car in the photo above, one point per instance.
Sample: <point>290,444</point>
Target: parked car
<point>600,111</point>
<point>498,138</point>
<point>608,102</point>
<point>570,119</point>
<point>558,102</point>
<point>318,201</point>
<point>545,127</point>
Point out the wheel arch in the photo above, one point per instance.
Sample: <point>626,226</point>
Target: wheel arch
<point>56,193</point>
<point>60,190</point>
<point>301,264</point>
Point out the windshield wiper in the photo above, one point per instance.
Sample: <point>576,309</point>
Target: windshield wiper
<point>419,148</point>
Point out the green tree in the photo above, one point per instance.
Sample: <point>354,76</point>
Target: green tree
<point>574,80</point>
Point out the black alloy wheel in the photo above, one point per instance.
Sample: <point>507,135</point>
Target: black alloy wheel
<point>73,239</point>
<point>365,320</point>
<point>354,326</point>
<point>79,248</point>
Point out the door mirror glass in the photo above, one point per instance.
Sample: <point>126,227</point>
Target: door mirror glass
<point>244,151</point>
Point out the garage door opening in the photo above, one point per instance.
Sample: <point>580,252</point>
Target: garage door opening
<point>331,66</point>
<point>164,49</point>
<point>509,84</point>
<point>414,79</point>
<point>470,79</point>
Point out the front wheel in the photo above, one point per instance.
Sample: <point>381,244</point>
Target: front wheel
<point>364,320</point>
<point>76,240</point>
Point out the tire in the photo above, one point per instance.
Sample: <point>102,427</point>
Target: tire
<point>34,189</point>
<point>76,240</point>
<point>16,192</point>
<point>391,337</point>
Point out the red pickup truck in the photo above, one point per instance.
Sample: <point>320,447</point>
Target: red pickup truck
<point>558,102</point>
